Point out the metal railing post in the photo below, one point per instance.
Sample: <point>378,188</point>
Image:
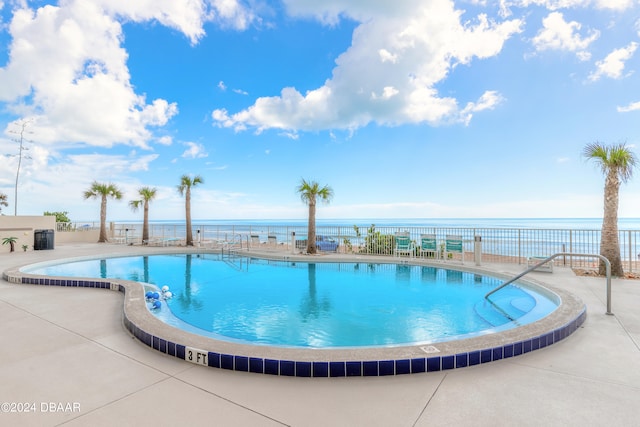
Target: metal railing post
<point>630,257</point>
<point>519,247</point>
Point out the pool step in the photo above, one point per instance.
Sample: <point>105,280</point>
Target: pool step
<point>503,308</point>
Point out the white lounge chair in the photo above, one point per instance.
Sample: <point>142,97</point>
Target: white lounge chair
<point>429,246</point>
<point>453,245</point>
<point>403,244</point>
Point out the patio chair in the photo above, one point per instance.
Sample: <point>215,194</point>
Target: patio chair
<point>404,245</point>
<point>255,240</point>
<point>429,246</point>
<point>453,245</point>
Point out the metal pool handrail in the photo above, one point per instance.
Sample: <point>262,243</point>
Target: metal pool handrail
<point>546,260</point>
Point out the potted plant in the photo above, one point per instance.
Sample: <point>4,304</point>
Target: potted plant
<point>25,247</point>
<point>11,241</point>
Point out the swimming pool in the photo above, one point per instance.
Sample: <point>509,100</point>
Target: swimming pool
<point>466,350</point>
<point>320,305</point>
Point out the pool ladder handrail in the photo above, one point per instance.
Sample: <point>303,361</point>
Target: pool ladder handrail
<point>546,260</point>
<point>230,244</point>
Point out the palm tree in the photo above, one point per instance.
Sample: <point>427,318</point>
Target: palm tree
<point>617,163</point>
<point>146,195</point>
<point>103,191</point>
<point>11,241</point>
<point>309,192</point>
<point>186,182</point>
<point>3,201</point>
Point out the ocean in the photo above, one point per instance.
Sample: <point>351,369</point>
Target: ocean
<point>535,223</point>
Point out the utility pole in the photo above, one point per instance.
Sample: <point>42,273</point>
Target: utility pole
<point>22,124</point>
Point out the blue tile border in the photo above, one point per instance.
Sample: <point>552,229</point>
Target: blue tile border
<point>271,367</point>
<point>322,369</point>
<point>337,369</point>
<point>303,369</point>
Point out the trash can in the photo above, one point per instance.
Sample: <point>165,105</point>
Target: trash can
<point>43,239</point>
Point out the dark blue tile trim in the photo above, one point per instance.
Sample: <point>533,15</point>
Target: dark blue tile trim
<point>433,364</point>
<point>321,369</point>
<point>256,365</point>
<point>354,369</point>
<point>303,369</point>
<point>226,361</point>
<point>497,353</point>
<point>180,351</point>
<point>213,359</point>
<point>386,367</point>
<point>403,367</point>
<point>242,363</point>
<point>337,369</point>
<point>508,351</point>
<point>370,368</point>
<point>448,362</point>
<point>517,349</point>
<point>418,365</point>
<point>474,358</point>
<point>462,360</point>
<point>288,368</point>
<point>271,367</point>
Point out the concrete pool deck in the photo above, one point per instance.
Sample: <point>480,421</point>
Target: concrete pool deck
<point>67,359</point>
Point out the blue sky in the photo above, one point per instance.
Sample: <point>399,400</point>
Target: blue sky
<point>410,109</point>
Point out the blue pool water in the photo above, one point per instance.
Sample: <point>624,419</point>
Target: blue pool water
<point>320,305</point>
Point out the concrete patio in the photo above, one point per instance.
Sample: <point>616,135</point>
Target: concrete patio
<point>67,359</point>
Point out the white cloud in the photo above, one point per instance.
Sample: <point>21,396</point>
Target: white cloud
<point>222,86</point>
<point>194,151</point>
<point>612,65</point>
<point>142,163</point>
<point>406,47</point>
<point>557,34</point>
<point>230,13</point>
<point>634,106</point>
<point>47,172</point>
<point>165,140</point>
<point>186,16</point>
<point>68,72</point>
<point>387,93</point>
<point>615,5</point>
<point>386,56</point>
<point>487,101</point>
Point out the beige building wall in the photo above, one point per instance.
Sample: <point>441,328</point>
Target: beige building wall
<point>22,228</point>
<point>84,236</point>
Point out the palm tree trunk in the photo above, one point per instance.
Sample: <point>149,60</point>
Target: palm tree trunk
<point>311,238</point>
<point>145,223</point>
<point>103,220</point>
<point>609,243</point>
<point>188,215</point>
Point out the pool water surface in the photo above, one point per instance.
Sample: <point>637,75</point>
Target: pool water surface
<point>320,305</point>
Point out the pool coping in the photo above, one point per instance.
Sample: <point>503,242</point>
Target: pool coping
<point>332,362</point>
